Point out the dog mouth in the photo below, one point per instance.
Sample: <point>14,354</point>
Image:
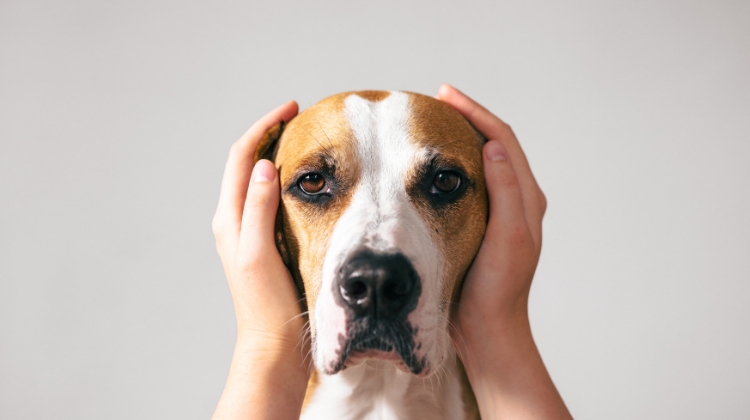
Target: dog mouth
<point>358,356</point>
<point>387,341</point>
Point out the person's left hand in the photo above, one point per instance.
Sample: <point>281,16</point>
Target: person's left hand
<point>492,333</point>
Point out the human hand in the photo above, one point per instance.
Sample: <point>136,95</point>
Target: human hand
<point>265,299</point>
<point>497,284</point>
<point>492,331</point>
<point>268,364</point>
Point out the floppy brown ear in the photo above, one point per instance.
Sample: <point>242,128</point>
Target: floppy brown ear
<point>482,137</point>
<point>269,143</point>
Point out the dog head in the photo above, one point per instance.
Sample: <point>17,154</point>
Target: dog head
<point>383,207</point>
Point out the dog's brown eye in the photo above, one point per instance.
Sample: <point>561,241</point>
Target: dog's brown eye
<point>446,181</point>
<point>312,183</point>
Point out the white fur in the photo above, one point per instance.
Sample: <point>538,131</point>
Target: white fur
<point>381,216</point>
<point>379,391</point>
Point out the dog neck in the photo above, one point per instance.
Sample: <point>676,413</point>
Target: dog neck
<point>378,390</point>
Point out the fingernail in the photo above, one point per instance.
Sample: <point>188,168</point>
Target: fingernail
<point>262,172</point>
<point>443,89</point>
<point>495,151</point>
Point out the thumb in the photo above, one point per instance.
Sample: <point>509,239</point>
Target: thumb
<point>507,222</point>
<point>261,204</point>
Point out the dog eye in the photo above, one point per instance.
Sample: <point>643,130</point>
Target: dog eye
<point>312,183</point>
<point>446,182</point>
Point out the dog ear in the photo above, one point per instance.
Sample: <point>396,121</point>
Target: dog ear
<point>269,142</point>
<point>482,137</point>
<point>280,238</point>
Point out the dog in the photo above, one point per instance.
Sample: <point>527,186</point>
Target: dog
<point>383,208</point>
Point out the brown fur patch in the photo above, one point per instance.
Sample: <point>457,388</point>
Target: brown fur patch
<point>318,137</point>
<point>267,145</point>
<point>458,227</point>
<point>373,95</point>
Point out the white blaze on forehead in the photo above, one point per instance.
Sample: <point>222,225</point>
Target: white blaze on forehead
<point>381,217</point>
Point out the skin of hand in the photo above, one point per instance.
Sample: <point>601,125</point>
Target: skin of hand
<point>268,376</point>
<point>492,334</point>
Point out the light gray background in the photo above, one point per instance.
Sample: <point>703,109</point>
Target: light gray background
<point>116,119</point>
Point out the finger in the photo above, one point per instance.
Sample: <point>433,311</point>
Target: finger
<point>258,258</point>
<point>508,238</point>
<point>259,214</point>
<point>239,165</point>
<point>507,213</point>
<point>490,125</point>
<point>495,129</point>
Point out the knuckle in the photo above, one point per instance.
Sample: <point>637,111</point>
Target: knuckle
<point>256,200</point>
<point>506,178</point>
<point>542,202</point>
<point>234,149</point>
<point>218,226</point>
<point>249,263</point>
<point>519,235</point>
<point>504,126</point>
<point>520,240</point>
<point>253,202</point>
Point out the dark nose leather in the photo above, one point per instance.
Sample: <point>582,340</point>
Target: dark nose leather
<point>379,285</point>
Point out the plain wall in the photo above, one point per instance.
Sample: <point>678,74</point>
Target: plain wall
<point>116,119</point>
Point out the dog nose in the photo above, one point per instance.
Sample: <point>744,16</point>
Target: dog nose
<point>379,285</point>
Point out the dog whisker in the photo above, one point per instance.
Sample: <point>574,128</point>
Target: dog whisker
<point>324,132</point>
<point>319,143</point>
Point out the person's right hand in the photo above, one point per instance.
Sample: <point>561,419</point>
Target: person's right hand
<point>265,299</point>
<point>268,376</point>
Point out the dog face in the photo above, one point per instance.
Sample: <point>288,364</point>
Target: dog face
<point>383,209</point>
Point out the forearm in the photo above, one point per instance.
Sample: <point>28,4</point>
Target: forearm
<point>264,382</point>
<point>508,375</point>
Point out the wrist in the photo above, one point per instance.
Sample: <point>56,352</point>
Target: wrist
<point>263,372</point>
<point>271,349</point>
<point>268,335</point>
<point>501,341</point>
<point>278,365</point>
<point>482,329</point>
<point>502,361</point>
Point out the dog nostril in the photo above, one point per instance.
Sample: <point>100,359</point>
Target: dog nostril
<point>354,289</point>
<point>395,290</point>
